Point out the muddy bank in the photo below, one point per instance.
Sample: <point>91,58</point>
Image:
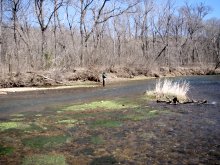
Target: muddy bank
<point>64,77</point>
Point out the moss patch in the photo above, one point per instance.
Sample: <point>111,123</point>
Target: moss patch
<point>106,123</point>
<point>134,117</point>
<point>12,125</point>
<point>45,141</point>
<point>44,160</point>
<point>99,105</point>
<point>6,150</point>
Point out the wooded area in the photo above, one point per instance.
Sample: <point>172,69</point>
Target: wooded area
<point>67,34</point>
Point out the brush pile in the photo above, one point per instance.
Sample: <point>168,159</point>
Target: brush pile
<point>172,92</point>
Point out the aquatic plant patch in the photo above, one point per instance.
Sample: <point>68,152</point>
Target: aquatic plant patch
<point>99,105</point>
<point>141,116</point>
<point>17,119</point>
<point>106,123</point>
<point>84,115</point>
<point>17,115</point>
<point>153,113</point>
<point>6,150</point>
<point>35,127</point>
<point>13,125</point>
<point>87,151</point>
<point>148,135</point>
<point>52,159</point>
<point>97,140</point>
<point>67,121</point>
<point>45,141</point>
<point>107,160</point>
<point>134,117</point>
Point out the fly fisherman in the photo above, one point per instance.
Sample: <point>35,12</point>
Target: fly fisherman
<point>103,79</point>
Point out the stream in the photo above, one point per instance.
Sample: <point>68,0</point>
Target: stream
<point>201,87</point>
<point>150,133</point>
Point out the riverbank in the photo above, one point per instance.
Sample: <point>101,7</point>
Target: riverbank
<point>48,80</point>
<point>71,85</point>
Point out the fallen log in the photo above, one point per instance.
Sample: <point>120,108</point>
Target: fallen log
<point>170,101</point>
<point>194,101</point>
<point>176,101</point>
<point>163,101</point>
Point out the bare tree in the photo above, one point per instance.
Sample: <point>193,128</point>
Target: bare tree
<point>100,15</point>
<point>194,17</point>
<point>43,22</point>
<point>212,42</point>
<point>1,13</point>
<point>24,32</point>
<point>70,20</point>
<point>144,27</point>
<point>16,6</point>
<point>90,33</point>
<point>55,28</point>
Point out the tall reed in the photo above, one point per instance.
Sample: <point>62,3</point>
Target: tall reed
<point>168,88</point>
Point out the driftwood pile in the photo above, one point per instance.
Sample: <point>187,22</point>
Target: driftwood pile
<point>176,101</point>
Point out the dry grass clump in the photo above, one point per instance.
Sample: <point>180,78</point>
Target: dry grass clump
<point>168,88</point>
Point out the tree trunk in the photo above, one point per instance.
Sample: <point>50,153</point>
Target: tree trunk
<point>43,46</point>
<point>81,35</point>
<point>55,30</point>
<point>16,50</point>
<point>1,39</point>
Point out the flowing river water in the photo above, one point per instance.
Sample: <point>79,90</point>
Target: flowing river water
<point>201,87</point>
<point>154,133</point>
